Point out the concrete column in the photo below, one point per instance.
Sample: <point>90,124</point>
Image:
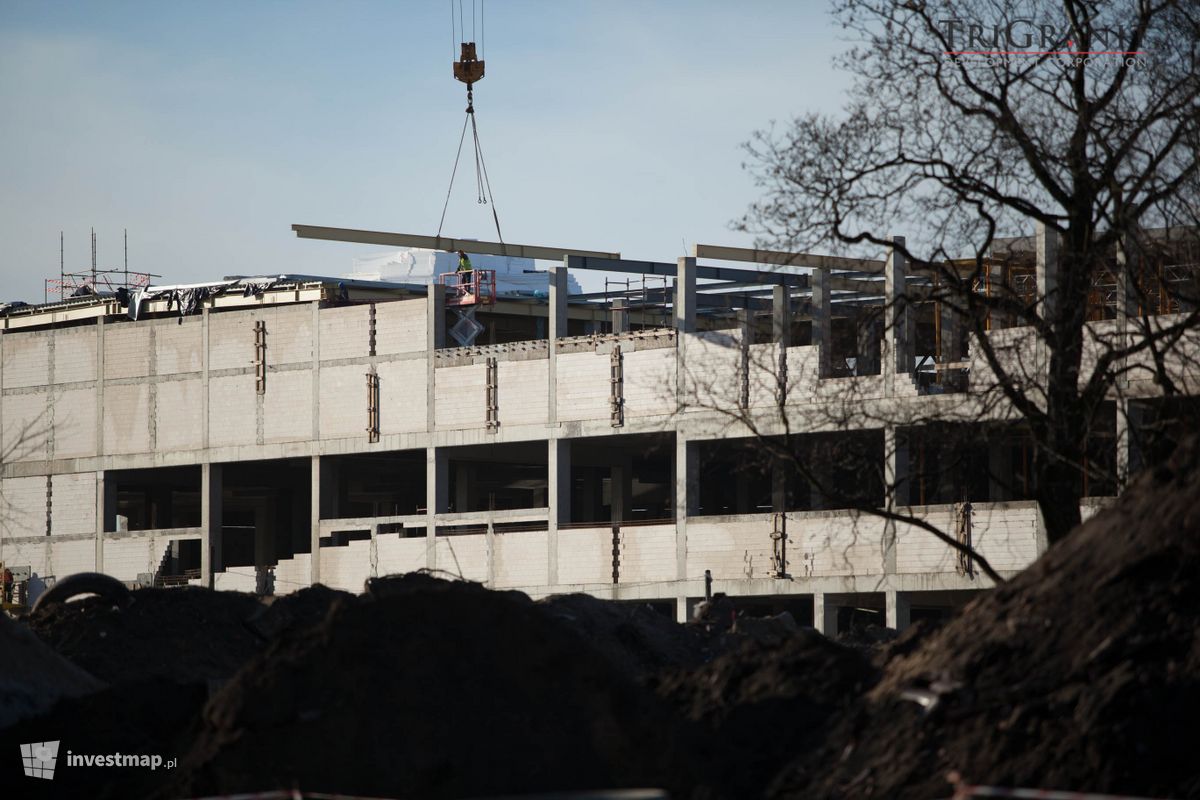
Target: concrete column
<point>317,489</point>
<point>822,322</point>
<point>781,316</point>
<point>781,334</point>
<point>437,498</point>
<point>435,338</point>
<point>681,609</point>
<point>1047,268</point>
<point>897,609</point>
<point>825,613</point>
<point>685,295</point>
<point>868,344</point>
<point>897,317</point>
<point>106,513</point>
<point>210,522</point>
<point>620,316</point>
<point>895,467</point>
<point>686,473</point>
<point>559,496</point>
<point>556,329</point>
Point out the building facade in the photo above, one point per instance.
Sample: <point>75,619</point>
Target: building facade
<point>264,438</point>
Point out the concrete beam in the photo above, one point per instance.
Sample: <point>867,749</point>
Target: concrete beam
<point>666,269</point>
<point>781,258</point>
<point>442,243</point>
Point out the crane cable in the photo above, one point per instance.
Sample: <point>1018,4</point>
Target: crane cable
<point>483,185</point>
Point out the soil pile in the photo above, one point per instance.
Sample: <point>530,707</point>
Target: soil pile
<point>765,702</point>
<point>637,639</point>
<point>1082,673</point>
<point>433,689</point>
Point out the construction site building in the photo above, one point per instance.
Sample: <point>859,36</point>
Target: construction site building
<point>264,435</point>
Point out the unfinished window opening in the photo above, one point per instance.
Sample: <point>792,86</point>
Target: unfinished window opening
<point>621,479</point>
<point>498,476</point>
<point>152,499</point>
<point>390,484</point>
<point>265,511</point>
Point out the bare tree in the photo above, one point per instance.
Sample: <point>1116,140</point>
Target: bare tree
<point>971,123</point>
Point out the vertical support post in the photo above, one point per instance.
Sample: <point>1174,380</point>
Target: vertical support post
<point>745,322</point>
<point>1047,269</point>
<point>897,316</point>
<point>106,497</point>
<point>559,496</point>
<point>685,295</point>
<point>620,316</point>
<point>210,521</point>
<point>781,334</point>
<point>822,322</point>
<point>1122,436</point>
<point>557,329</point>
<point>435,338</point>
<point>895,487</point>
<point>686,469</point>
<point>316,490</point>
<point>897,609</point>
<point>825,614</point>
<point>1000,472</point>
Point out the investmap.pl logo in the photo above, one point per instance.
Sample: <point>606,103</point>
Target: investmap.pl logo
<point>39,759</point>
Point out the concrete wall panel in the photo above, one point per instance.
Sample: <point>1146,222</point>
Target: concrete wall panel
<point>126,350</point>
<point>126,418</point>
<point>178,346</point>
<point>400,326</point>
<point>232,410</point>
<point>180,409</point>
<point>521,559</point>
<point>75,355</point>
<point>287,410</point>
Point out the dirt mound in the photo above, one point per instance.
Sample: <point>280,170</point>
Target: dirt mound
<point>636,638</point>
<point>32,676</point>
<point>187,634</point>
<point>438,690</point>
<point>766,702</point>
<point>1083,672</point>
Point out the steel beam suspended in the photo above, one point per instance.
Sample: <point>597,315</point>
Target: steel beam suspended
<point>443,243</point>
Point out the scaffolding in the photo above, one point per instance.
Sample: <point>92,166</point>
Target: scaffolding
<point>93,281</point>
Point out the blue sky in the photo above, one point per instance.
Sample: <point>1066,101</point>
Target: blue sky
<point>207,129</point>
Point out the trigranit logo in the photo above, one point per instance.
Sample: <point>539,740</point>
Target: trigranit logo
<point>39,759</point>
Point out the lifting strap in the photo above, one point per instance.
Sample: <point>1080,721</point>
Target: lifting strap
<point>483,186</point>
